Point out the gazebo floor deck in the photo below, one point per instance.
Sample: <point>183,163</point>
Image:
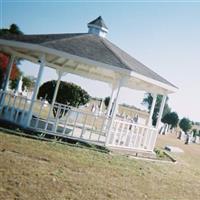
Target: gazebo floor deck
<point>68,131</point>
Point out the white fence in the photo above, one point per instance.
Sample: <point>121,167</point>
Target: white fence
<point>13,108</point>
<point>131,136</point>
<point>70,122</point>
<point>65,121</point>
<point>59,120</point>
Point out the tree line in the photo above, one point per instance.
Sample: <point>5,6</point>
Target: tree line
<point>169,117</point>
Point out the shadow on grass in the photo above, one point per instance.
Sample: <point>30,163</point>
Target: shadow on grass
<point>10,128</point>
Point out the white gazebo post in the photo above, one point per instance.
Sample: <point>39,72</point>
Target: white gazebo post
<point>115,107</point>
<point>8,72</point>
<point>152,109</point>
<point>161,111</point>
<point>60,74</point>
<point>111,100</point>
<point>37,85</point>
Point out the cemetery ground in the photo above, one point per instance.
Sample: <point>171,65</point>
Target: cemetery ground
<point>39,170</point>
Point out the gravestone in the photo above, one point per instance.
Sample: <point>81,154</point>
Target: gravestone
<point>173,149</point>
<point>197,139</point>
<point>183,136</point>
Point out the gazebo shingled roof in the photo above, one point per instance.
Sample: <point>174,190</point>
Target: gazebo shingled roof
<point>91,47</point>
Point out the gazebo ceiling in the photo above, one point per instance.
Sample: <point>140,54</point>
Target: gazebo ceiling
<point>87,55</point>
<point>59,60</point>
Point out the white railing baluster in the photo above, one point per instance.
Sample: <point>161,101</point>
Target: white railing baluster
<point>77,113</point>
<point>149,141</point>
<point>145,138</point>
<point>57,117</point>
<point>83,128</point>
<point>39,113</point>
<point>131,138</point>
<point>136,132</point>
<point>23,111</point>
<point>66,119</point>
<point>126,136</point>
<point>153,140</point>
<point>18,109</point>
<point>101,130</point>
<point>140,137</point>
<point>92,130</point>
<point>114,133</point>
<point>2,99</point>
<point>120,135</point>
<point>13,108</point>
<point>51,107</point>
<point>9,100</point>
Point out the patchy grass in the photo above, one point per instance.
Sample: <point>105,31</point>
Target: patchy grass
<point>160,153</point>
<point>32,169</point>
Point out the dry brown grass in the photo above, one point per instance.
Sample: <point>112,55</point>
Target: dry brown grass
<point>31,169</point>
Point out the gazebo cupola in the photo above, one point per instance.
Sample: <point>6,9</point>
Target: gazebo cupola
<point>98,27</point>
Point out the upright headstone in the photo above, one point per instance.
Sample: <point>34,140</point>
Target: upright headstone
<point>183,136</point>
<point>197,140</point>
<point>165,129</point>
<point>18,89</point>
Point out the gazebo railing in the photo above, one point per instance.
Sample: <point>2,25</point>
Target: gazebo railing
<point>65,121</point>
<point>60,120</point>
<point>13,108</point>
<point>132,136</point>
<point>70,122</point>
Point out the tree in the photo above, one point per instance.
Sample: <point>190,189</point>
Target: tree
<point>68,94</point>
<point>3,64</point>
<point>171,119</point>
<point>28,83</point>
<point>195,133</point>
<point>185,124</point>
<point>13,84</point>
<point>1,77</point>
<point>107,101</point>
<point>147,101</point>
<point>13,29</point>
<point>4,58</point>
<point>15,73</point>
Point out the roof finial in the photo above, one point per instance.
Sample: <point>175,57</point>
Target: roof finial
<point>98,27</point>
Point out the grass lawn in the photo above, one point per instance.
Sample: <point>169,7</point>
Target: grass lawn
<point>32,169</point>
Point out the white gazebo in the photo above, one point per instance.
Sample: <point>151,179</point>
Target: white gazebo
<point>92,56</point>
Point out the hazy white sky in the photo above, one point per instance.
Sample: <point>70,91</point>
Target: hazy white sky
<point>164,36</point>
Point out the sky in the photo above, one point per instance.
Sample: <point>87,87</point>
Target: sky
<point>165,36</point>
